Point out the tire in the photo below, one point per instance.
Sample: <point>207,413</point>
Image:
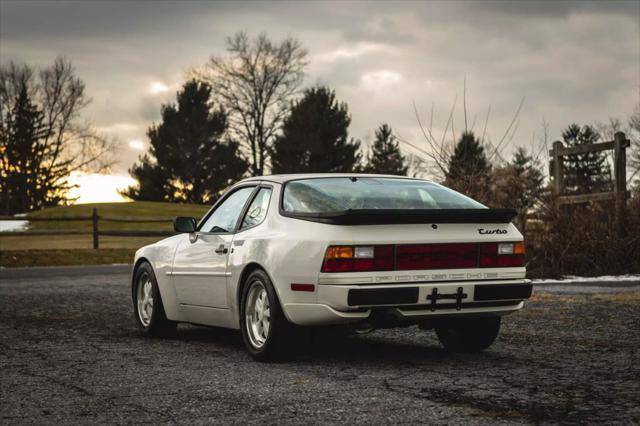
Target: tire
<point>147,304</point>
<point>266,333</point>
<point>468,334</point>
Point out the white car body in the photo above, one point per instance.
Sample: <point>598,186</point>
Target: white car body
<point>199,285</point>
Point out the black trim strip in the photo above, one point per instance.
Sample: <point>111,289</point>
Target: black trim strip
<point>502,291</point>
<point>382,296</point>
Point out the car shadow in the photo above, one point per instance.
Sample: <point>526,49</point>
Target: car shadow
<point>321,346</point>
<point>384,348</point>
<point>205,334</point>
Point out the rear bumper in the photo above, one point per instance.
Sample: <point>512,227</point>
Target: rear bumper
<point>341,304</point>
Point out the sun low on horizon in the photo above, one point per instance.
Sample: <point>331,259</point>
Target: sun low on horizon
<point>98,187</point>
<point>103,187</point>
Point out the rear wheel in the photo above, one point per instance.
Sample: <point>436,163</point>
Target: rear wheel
<point>147,304</point>
<point>468,334</point>
<point>265,330</point>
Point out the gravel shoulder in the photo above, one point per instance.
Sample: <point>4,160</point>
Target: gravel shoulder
<point>70,353</point>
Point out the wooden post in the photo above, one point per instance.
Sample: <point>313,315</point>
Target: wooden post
<point>620,181</point>
<point>558,168</point>
<point>94,217</point>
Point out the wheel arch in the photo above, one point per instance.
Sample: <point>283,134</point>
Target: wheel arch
<point>246,271</point>
<point>136,265</point>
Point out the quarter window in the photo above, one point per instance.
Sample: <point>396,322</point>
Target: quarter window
<point>225,216</point>
<point>257,209</point>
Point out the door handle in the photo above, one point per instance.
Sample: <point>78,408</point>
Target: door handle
<point>222,249</point>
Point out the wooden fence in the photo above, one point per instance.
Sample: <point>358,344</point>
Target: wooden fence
<point>95,231</point>
<point>619,193</point>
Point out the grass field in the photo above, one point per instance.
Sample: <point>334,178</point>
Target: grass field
<point>19,250</point>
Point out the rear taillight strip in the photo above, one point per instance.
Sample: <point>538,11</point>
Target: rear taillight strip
<point>407,257</point>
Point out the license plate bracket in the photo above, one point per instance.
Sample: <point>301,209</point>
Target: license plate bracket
<point>458,296</point>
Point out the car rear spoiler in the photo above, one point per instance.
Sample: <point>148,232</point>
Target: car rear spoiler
<point>393,216</point>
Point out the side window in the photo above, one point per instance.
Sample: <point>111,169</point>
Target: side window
<point>226,215</point>
<point>257,209</point>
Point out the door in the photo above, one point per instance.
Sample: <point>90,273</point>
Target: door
<point>200,263</point>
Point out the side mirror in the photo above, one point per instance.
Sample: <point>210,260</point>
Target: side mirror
<point>184,224</point>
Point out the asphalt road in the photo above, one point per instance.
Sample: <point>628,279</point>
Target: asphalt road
<point>70,353</point>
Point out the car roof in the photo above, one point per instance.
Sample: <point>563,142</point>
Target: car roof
<point>296,176</point>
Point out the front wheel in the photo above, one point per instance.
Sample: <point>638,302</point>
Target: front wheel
<point>265,330</point>
<point>468,334</point>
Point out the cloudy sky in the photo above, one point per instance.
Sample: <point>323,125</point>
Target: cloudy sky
<point>572,61</point>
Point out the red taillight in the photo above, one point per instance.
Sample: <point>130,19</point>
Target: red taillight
<point>358,259</point>
<point>437,256</point>
<point>363,264</point>
<point>337,265</point>
<point>408,257</point>
<point>490,256</point>
<point>384,258</point>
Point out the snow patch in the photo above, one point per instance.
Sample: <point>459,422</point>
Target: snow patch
<point>572,279</point>
<point>13,225</point>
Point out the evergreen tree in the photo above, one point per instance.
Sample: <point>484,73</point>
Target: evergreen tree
<point>189,160</point>
<point>20,173</point>
<point>153,181</point>
<point>530,178</point>
<point>314,136</point>
<point>589,172</point>
<point>469,170</point>
<point>385,156</point>
<point>517,185</point>
<point>43,138</point>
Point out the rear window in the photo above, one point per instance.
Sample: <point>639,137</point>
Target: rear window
<point>322,195</point>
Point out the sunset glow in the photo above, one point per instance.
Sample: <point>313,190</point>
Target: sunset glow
<point>136,144</point>
<point>158,87</point>
<point>98,188</point>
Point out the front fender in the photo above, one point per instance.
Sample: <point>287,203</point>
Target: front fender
<point>160,256</point>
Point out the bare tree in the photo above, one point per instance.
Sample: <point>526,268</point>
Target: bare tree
<point>42,135</point>
<point>634,136</point>
<point>255,82</point>
<point>631,129</point>
<point>436,155</point>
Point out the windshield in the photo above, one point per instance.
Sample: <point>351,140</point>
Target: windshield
<point>322,195</point>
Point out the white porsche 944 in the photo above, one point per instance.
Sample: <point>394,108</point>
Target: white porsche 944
<point>284,252</point>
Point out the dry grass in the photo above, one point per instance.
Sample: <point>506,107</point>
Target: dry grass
<point>24,258</point>
<point>69,242</point>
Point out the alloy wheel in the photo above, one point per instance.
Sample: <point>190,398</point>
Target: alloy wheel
<point>257,314</point>
<point>144,298</point>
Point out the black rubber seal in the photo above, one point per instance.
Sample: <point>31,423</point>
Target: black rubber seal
<point>388,217</point>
